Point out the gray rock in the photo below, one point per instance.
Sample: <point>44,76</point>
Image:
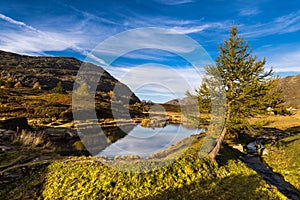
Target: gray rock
<point>5,148</point>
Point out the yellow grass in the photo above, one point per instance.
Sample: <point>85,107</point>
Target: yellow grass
<point>279,121</point>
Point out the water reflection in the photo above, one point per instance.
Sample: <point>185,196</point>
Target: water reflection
<point>146,141</point>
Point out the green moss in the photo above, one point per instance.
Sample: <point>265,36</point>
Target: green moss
<point>188,177</point>
<point>86,178</point>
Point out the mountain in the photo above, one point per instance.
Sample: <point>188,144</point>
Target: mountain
<point>178,101</point>
<point>48,72</point>
<point>290,87</point>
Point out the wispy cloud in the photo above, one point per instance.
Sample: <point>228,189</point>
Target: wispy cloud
<point>174,2</point>
<point>282,57</point>
<point>249,12</point>
<point>283,24</point>
<point>19,23</point>
<point>25,39</point>
<point>285,62</point>
<point>196,29</point>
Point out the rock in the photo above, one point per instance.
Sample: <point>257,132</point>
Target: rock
<point>2,131</point>
<point>60,133</point>
<point>16,124</point>
<point>8,135</point>
<point>5,148</point>
<point>238,147</point>
<point>265,152</point>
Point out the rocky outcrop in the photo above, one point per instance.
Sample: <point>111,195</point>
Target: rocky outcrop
<point>16,124</point>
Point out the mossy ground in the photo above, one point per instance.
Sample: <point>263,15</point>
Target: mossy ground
<point>187,178</point>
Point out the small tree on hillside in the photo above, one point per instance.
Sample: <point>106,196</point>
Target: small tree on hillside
<point>37,86</point>
<point>59,89</point>
<point>83,90</point>
<point>18,85</point>
<point>246,83</point>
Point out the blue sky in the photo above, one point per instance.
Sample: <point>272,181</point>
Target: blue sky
<point>75,28</point>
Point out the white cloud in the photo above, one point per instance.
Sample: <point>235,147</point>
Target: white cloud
<point>159,81</point>
<point>26,39</point>
<point>285,62</point>
<point>19,23</point>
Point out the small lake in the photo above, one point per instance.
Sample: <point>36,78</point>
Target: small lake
<point>146,141</point>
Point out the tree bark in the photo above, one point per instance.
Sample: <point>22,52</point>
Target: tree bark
<point>218,145</point>
<point>213,153</point>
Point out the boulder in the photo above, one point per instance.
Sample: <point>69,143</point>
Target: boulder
<point>60,133</point>
<point>5,148</point>
<point>16,124</point>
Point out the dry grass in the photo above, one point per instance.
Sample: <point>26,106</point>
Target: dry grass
<point>55,98</point>
<point>279,121</point>
<point>32,139</point>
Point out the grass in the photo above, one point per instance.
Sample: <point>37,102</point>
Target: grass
<point>188,177</point>
<point>32,139</point>
<point>279,121</point>
<point>284,158</point>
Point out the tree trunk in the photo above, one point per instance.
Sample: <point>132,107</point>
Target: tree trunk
<point>218,145</point>
<point>213,153</point>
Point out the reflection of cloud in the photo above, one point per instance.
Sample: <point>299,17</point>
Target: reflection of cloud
<point>150,141</point>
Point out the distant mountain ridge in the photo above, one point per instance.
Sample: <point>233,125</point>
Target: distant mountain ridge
<point>178,101</point>
<point>290,87</point>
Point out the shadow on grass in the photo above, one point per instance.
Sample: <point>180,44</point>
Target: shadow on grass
<point>232,187</point>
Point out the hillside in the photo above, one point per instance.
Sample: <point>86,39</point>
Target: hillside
<point>288,85</point>
<point>19,74</point>
<point>48,71</point>
<point>182,101</point>
<point>290,88</point>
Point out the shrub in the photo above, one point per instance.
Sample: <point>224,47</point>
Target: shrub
<point>59,89</point>
<point>37,86</point>
<point>18,85</point>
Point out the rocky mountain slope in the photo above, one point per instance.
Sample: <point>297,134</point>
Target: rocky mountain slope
<point>19,74</point>
<point>48,71</point>
<point>290,87</point>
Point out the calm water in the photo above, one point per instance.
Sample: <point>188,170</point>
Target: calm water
<point>146,141</point>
